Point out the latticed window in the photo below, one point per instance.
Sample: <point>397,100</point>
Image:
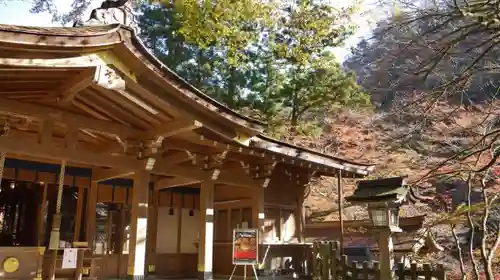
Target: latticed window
<point>379,217</point>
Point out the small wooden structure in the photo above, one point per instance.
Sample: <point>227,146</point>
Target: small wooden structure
<point>412,243</point>
<point>329,264</point>
<point>100,142</point>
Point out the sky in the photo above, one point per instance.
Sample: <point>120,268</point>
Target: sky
<point>16,12</point>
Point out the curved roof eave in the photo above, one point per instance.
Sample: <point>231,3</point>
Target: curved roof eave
<point>267,143</point>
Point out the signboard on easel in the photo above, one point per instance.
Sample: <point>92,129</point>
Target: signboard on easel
<point>245,246</point>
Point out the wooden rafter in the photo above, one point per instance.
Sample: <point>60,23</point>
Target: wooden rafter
<point>113,110</point>
<point>149,118</point>
<point>39,112</point>
<point>173,128</point>
<point>67,92</point>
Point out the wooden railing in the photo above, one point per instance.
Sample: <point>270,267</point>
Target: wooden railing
<point>328,264</point>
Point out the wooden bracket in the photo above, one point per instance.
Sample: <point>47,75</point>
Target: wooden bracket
<point>216,161</point>
<point>263,171</point>
<point>152,149</point>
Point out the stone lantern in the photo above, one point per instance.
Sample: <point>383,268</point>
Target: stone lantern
<point>383,197</point>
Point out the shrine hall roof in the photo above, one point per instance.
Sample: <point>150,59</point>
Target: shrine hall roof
<point>123,50</point>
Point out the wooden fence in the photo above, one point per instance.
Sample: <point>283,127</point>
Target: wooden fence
<point>328,264</point>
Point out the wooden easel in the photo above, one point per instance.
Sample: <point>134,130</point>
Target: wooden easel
<point>243,263</point>
<point>244,271</point>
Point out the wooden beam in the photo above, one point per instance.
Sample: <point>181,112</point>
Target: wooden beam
<point>173,128</point>
<point>68,91</point>
<point>101,174</point>
<point>200,144</point>
<point>104,75</point>
<point>80,61</point>
<point>234,178</point>
<point>20,146</point>
<point>175,182</point>
<point>31,110</point>
<point>45,135</point>
<point>177,158</point>
<point>152,157</point>
<point>55,140</point>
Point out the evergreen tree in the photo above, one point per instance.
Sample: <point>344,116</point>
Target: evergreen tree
<point>303,36</point>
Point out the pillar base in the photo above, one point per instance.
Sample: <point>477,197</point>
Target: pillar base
<point>203,275</point>
<point>136,277</point>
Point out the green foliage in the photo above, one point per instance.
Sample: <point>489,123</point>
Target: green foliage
<point>313,79</point>
<point>306,28</point>
<point>270,59</point>
<point>230,26</point>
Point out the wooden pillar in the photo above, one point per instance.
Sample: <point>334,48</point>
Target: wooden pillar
<point>205,247</point>
<point>78,217</point>
<point>120,237</point>
<point>138,227</point>
<point>90,220</point>
<point>41,215</point>
<point>341,210</point>
<point>259,216</point>
<point>386,258</point>
<point>179,224</point>
<point>152,232</point>
<point>299,218</point>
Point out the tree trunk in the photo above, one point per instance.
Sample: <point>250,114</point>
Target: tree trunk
<point>484,251</point>
<point>231,98</point>
<point>471,225</point>
<point>294,121</point>
<point>294,118</point>
<point>200,67</point>
<point>459,249</point>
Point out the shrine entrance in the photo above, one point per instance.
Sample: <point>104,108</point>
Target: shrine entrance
<point>18,209</point>
<point>112,238</point>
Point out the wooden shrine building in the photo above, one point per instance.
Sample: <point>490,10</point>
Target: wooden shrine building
<point>102,143</point>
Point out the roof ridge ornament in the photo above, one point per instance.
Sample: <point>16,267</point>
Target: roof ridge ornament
<point>112,12</point>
